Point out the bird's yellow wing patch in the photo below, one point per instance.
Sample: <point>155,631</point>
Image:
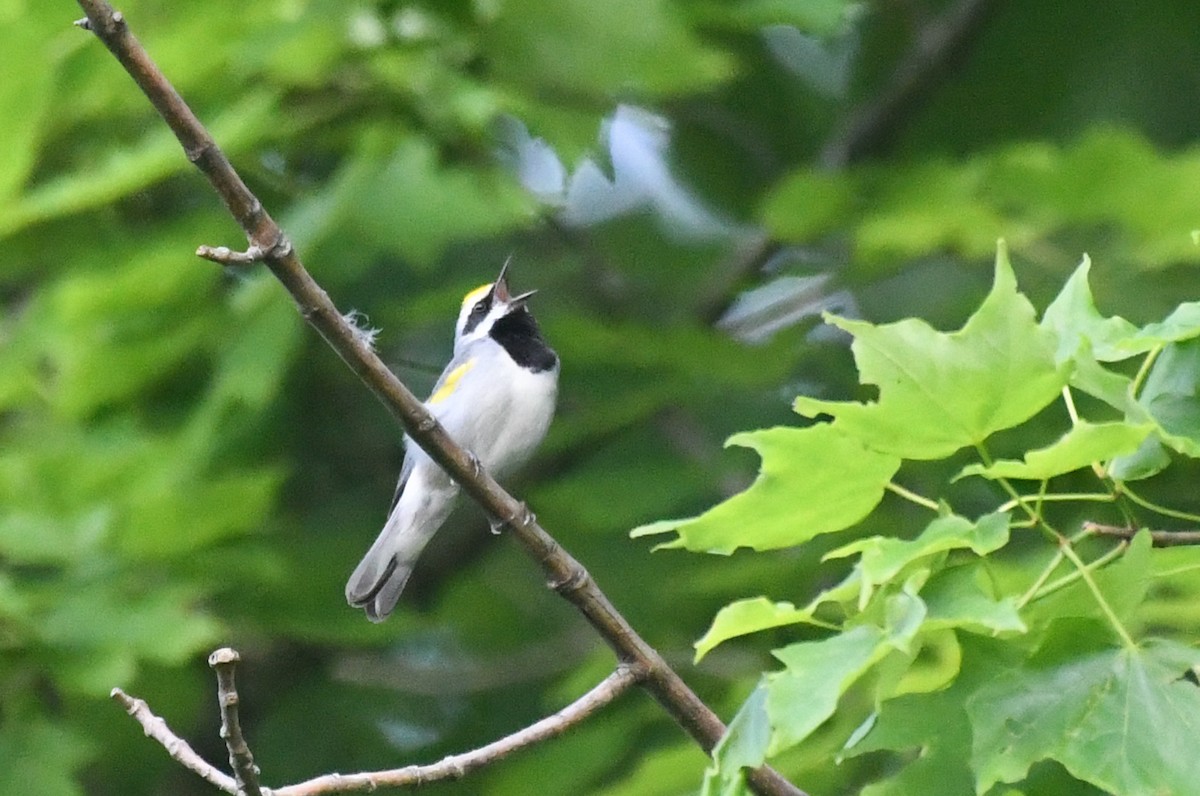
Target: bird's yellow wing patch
<point>451,382</point>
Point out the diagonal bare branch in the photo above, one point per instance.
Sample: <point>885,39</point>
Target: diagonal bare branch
<point>458,766</point>
<point>180,751</point>
<point>563,573</point>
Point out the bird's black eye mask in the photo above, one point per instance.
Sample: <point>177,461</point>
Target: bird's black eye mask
<point>478,312</point>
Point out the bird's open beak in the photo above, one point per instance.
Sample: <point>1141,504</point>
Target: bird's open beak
<point>500,289</point>
<point>521,299</point>
<point>500,286</point>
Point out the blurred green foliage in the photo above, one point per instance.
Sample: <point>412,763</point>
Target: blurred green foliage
<point>182,464</point>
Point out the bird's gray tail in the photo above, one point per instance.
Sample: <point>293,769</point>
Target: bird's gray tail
<point>379,578</point>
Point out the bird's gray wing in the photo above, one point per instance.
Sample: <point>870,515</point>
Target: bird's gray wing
<point>455,369</point>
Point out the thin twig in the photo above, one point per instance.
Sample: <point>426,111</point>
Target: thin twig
<point>563,573</point>
<point>451,767</point>
<point>1158,538</point>
<point>224,663</point>
<point>458,766</point>
<point>934,50</point>
<point>179,750</point>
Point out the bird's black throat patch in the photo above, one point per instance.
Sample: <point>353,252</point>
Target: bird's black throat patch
<point>519,334</point>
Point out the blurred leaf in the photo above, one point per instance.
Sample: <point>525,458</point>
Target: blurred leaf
<point>125,171</point>
<point>157,626</point>
<point>253,357</point>
<point>394,196</point>
<point>575,46</point>
<point>939,392</point>
<point>661,772</point>
<point>1024,191</point>
<point>179,514</point>
<point>819,17</point>
<point>42,757</point>
<point>23,102</point>
<point>813,481</point>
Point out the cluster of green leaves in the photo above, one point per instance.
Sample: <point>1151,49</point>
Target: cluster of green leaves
<point>986,642</point>
<point>1025,192</point>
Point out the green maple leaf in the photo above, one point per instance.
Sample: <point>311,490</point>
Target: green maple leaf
<point>1121,719</point>
<point>814,480</point>
<point>938,391</point>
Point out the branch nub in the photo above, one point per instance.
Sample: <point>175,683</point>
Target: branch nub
<point>224,255</point>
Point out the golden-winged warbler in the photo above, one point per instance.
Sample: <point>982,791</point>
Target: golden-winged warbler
<point>495,398</point>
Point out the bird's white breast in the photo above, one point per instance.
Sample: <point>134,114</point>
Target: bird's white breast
<point>500,411</point>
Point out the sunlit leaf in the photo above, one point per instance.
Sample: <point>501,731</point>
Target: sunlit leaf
<point>814,480</point>
<point>882,558</point>
<point>742,617</point>
<point>939,392</point>
<point>1123,583</point>
<point>744,745</point>
<point>1086,443</point>
<point>934,724</point>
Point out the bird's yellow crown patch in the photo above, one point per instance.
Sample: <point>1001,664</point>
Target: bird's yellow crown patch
<point>476,294</point>
<point>451,382</point>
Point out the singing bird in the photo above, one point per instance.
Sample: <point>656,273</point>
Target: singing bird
<point>495,398</point>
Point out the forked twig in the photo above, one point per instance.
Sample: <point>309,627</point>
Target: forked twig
<point>450,767</point>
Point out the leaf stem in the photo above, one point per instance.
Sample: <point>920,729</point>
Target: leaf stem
<point>1035,517</point>
<point>1163,510</point>
<point>920,500</point>
<point>1144,370</point>
<point>1069,400</point>
<point>1086,573</point>
<point>1099,497</point>
<point>1068,579</point>
<point>1035,588</point>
